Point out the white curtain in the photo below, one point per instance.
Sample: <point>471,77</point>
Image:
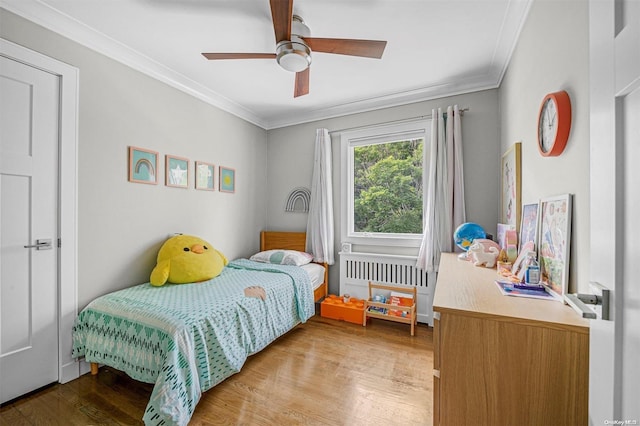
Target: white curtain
<point>320,220</point>
<point>444,210</point>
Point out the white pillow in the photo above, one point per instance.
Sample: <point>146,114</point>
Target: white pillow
<point>283,257</point>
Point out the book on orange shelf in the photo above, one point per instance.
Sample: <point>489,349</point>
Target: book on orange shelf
<point>398,313</point>
<point>400,301</point>
<point>377,309</point>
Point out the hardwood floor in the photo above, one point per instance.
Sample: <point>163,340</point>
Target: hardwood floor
<point>324,372</point>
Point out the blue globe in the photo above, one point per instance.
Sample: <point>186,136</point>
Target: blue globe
<point>466,233</point>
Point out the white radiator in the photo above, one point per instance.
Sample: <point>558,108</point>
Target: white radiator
<point>357,269</point>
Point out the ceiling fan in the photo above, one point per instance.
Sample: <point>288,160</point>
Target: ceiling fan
<point>294,45</point>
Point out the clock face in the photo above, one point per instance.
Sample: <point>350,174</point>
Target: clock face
<point>548,125</point>
<point>554,123</point>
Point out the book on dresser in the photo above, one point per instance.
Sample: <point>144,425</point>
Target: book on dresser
<point>508,288</point>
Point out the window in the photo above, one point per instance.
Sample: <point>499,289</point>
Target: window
<point>382,184</point>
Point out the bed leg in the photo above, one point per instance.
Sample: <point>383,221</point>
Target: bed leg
<point>94,368</point>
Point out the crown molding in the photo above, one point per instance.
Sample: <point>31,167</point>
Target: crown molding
<point>43,15</point>
<point>512,24</point>
<point>51,19</point>
<point>490,81</point>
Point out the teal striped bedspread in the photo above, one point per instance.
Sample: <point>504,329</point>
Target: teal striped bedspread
<point>187,338</point>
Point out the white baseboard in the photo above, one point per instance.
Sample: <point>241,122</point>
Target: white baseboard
<point>69,372</point>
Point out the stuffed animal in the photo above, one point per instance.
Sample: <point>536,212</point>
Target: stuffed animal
<point>479,254</point>
<point>187,259</point>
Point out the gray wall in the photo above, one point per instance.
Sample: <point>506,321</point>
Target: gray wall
<point>122,225</point>
<point>291,149</point>
<point>552,55</point>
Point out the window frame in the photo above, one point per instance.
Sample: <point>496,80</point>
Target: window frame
<point>384,133</point>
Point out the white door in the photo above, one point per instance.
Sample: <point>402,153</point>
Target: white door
<point>614,371</point>
<point>29,118</point>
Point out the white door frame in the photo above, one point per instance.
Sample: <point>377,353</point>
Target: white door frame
<point>614,69</point>
<point>68,368</point>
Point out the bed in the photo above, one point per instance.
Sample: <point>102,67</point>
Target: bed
<point>187,338</point>
<point>271,240</point>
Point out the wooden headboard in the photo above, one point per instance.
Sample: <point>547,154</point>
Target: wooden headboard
<point>271,240</point>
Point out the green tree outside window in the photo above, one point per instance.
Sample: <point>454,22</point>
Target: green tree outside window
<point>388,187</point>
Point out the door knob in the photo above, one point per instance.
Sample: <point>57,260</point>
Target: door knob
<point>42,244</point>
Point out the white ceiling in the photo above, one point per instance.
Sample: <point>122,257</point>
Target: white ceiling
<point>435,48</point>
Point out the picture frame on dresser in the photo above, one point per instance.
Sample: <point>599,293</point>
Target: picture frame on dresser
<point>502,234</point>
<point>554,242</point>
<point>510,184</point>
<point>529,225</point>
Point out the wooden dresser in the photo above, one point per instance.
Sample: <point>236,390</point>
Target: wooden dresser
<point>501,360</point>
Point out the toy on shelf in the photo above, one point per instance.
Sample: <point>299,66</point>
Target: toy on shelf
<point>516,273</point>
<point>480,255</point>
<point>488,244</point>
<point>511,245</point>
<point>399,299</point>
<point>465,235</point>
<point>503,264</point>
<point>380,298</point>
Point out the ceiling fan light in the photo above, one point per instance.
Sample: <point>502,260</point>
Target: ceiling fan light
<point>293,56</point>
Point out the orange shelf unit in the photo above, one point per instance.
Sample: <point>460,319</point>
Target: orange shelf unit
<point>334,307</point>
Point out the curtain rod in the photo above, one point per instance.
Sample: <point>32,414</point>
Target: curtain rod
<point>419,117</point>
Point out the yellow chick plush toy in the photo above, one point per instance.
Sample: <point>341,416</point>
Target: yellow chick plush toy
<point>187,259</point>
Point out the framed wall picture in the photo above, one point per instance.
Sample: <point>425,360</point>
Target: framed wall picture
<point>204,176</point>
<point>529,226</point>
<point>510,186</point>
<point>176,171</point>
<point>554,240</point>
<point>227,179</point>
<point>143,165</point>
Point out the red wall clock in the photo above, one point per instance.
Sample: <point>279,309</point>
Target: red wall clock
<point>554,123</point>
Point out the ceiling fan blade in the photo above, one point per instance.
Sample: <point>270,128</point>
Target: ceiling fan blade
<point>213,56</point>
<point>302,83</point>
<point>343,46</point>
<point>281,14</point>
